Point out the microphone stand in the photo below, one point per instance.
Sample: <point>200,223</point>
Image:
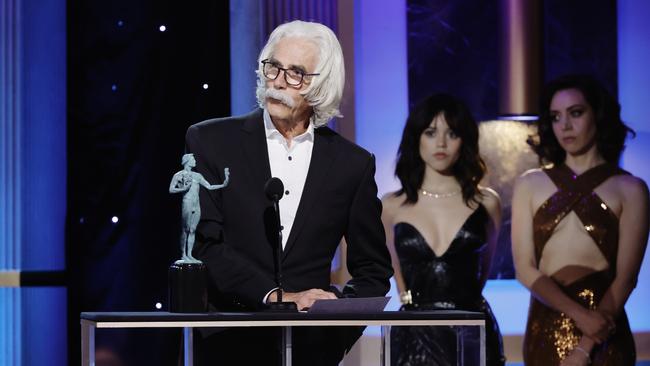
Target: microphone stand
<point>279,305</point>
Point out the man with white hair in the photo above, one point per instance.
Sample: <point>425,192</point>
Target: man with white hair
<point>330,193</point>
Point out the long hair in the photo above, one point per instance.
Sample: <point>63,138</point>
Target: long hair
<point>611,131</point>
<point>326,90</point>
<point>468,169</point>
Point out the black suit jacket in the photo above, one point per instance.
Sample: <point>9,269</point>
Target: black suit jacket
<point>235,237</point>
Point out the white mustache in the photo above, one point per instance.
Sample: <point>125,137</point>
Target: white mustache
<point>279,96</point>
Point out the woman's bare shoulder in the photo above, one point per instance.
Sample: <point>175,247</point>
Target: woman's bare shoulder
<point>531,177</point>
<point>490,199</point>
<point>533,174</point>
<point>631,187</point>
<point>489,194</point>
<point>392,201</point>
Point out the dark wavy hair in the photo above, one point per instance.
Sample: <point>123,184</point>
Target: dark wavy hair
<point>610,129</point>
<point>468,169</point>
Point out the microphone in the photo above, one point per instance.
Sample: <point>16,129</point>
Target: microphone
<point>274,190</point>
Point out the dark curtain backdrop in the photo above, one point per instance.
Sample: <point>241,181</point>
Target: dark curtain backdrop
<point>453,47</point>
<point>581,36</point>
<point>132,92</point>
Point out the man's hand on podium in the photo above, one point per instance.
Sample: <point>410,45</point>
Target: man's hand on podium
<point>303,299</point>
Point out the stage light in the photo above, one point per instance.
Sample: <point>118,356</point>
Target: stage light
<point>115,219</point>
<point>114,87</point>
<point>82,220</point>
<point>205,86</point>
<point>158,306</point>
<point>519,117</point>
<point>162,28</point>
<point>120,23</point>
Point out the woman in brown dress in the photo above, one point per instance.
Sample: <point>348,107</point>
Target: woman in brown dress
<point>579,230</point>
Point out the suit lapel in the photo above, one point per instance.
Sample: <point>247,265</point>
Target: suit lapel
<point>321,161</point>
<point>255,150</point>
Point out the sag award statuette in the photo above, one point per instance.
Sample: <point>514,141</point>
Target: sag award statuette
<point>187,276</point>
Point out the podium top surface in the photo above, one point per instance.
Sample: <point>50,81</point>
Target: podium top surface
<point>234,316</point>
<point>230,319</point>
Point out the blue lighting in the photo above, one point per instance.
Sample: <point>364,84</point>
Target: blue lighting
<point>633,83</point>
<point>246,39</point>
<point>381,98</point>
<point>33,325</point>
<point>519,117</point>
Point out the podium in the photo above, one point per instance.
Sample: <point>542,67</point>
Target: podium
<point>91,321</point>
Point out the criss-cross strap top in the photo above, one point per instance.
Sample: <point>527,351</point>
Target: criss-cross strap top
<point>576,193</point>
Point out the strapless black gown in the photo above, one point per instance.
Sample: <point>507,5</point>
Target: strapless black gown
<point>450,282</point>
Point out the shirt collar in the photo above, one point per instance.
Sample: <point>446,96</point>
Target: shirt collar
<point>272,131</point>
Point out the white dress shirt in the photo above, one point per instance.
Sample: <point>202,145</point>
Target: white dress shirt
<point>290,164</point>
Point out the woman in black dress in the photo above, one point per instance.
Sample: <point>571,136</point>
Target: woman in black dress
<point>441,228</point>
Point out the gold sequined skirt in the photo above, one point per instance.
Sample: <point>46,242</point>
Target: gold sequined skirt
<point>551,335</point>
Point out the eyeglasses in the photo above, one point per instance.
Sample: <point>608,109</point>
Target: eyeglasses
<point>293,77</point>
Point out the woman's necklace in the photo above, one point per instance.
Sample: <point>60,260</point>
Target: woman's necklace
<point>439,195</point>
